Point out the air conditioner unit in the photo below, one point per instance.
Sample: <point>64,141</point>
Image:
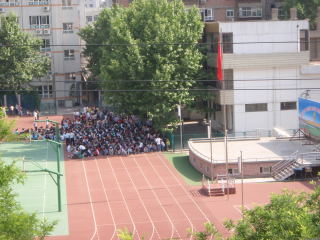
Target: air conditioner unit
<point>2,10</point>
<point>46,31</point>
<point>38,31</point>
<point>48,54</point>
<point>46,9</point>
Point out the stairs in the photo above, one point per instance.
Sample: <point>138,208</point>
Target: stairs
<point>285,168</point>
<point>215,192</point>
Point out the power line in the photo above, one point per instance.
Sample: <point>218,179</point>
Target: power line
<point>150,44</point>
<point>170,90</point>
<point>183,80</point>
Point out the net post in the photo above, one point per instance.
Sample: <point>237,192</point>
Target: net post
<point>59,193</point>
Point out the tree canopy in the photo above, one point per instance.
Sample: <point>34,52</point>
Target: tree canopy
<point>306,9</point>
<point>20,57</point>
<point>288,216</point>
<point>146,56</point>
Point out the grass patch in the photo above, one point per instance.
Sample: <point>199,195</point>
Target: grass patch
<point>181,163</point>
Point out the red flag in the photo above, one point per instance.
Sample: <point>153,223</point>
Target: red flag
<point>219,62</point>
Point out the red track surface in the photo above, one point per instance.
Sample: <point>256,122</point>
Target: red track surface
<point>146,195</point>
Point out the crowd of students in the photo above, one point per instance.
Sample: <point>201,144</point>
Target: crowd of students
<point>94,132</point>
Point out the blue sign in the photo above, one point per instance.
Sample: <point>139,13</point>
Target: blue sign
<point>309,118</point>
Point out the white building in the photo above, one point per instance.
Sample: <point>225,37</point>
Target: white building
<point>57,23</point>
<point>268,69</point>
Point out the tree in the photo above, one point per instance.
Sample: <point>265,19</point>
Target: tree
<point>150,50</point>
<point>16,224</point>
<point>306,9</point>
<point>20,57</point>
<point>288,216</point>
<point>210,232</point>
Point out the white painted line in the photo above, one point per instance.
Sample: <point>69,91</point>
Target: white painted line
<point>142,203</point>
<point>106,195</point>
<point>125,203</point>
<point>90,198</point>
<point>172,196</point>
<point>173,229</point>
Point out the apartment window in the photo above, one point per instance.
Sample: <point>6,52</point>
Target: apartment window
<point>206,14</point>
<point>38,2</point>
<point>45,91</point>
<point>256,107</point>
<point>245,12</point>
<point>227,40</point>
<point>45,45</point>
<point>304,40</point>
<point>67,27</point>
<point>228,78</point>
<point>9,2</point>
<point>230,12</point>
<point>39,21</point>
<point>70,76</point>
<point>66,3</point>
<point>69,54</point>
<point>288,105</point>
<point>265,170</point>
<point>89,19</point>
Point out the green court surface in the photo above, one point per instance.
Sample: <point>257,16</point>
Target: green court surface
<point>39,193</point>
<point>181,163</point>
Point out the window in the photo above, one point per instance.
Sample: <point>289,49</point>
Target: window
<point>45,45</point>
<point>39,21</point>
<point>89,19</point>
<point>265,170</point>
<point>227,40</point>
<point>66,3</point>
<point>95,17</point>
<point>70,76</point>
<point>230,12</point>
<point>206,14</point>
<point>38,2</point>
<point>9,2</point>
<point>67,27</point>
<point>288,105</point>
<point>304,40</point>
<point>245,12</point>
<point>228,78</point>
<point>233,171</point>
<point>45,91</point>
<point>69,54</point>
<point>256,107</point>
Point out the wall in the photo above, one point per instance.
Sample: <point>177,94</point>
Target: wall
<point>250,169</point>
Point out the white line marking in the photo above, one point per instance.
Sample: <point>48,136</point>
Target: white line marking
<point>182,187</point>
<point>124,200</point>
<point>90,198</point>
<point>173,229</point>
<point>172,195</point>
<point>153,227</point>
<point>106,195</point>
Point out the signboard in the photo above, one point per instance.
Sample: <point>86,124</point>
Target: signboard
<point>309,118</point>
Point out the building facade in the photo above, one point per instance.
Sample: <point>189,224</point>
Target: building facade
<point>267,67</point>
<point>57,23</point>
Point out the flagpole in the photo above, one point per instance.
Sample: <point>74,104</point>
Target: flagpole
<point>224,113</point>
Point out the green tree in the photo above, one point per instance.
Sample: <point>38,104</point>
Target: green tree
<point>20,57</point>
<point>15,223</point>
<point>288,216</point>
<point>306,9</point>
<point>154,41</point>
<point>210,232</point>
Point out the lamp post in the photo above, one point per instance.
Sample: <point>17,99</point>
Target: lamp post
<point>210,140</point>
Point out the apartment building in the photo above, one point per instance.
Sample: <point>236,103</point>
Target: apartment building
<point>266,65</point>
<point>229,10</point>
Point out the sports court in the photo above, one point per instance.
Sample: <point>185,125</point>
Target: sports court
<point>39,193</point>
<point>143,193</point>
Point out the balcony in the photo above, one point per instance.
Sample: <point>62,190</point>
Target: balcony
<point>9,4</point>
<point>39,26</point>
<point>36,3</point>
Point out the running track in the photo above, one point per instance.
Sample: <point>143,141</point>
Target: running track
<point>142,193</point>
